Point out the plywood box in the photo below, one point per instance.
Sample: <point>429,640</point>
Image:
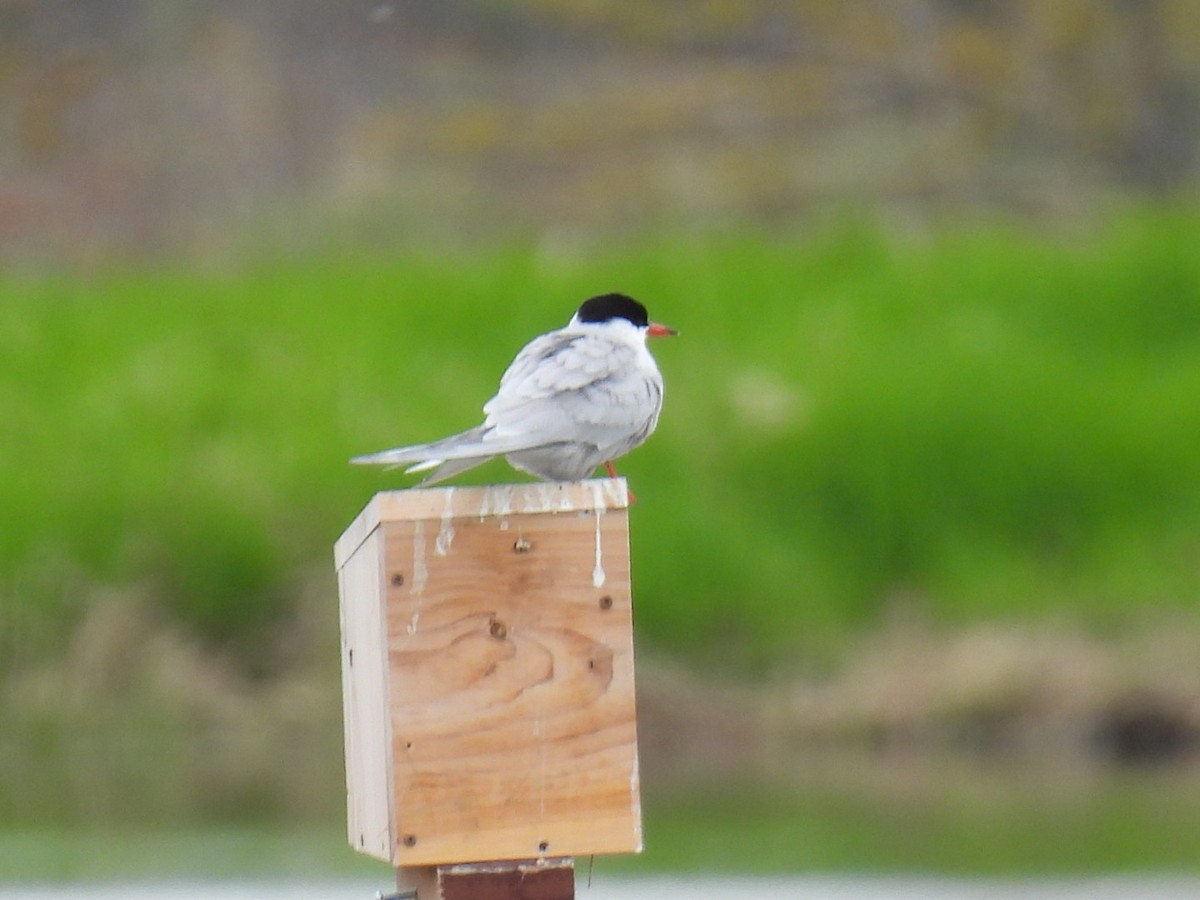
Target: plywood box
<point>487,666</point>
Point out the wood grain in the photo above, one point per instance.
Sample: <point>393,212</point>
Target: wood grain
<point>507,622</point>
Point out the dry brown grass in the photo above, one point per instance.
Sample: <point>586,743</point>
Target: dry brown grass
<point>1032,695</point>
<point>137,723</point>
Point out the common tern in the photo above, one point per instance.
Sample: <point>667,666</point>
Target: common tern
<point>572,400</point>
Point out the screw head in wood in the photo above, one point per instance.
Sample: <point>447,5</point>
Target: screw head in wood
<point>410,840</point>
<point>498,629</point>
<point>522,545</point>
<point>397,579</point>
<point>606,602</point>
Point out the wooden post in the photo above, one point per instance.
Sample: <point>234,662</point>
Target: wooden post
<point>487,663</point>
<point>540,879</point>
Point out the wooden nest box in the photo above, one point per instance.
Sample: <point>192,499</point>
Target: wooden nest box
<point>487,669</point>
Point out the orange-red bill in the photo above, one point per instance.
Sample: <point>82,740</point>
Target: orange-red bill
<point>656,330</point>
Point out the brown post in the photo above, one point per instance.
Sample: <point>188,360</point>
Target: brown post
<point>541,879</point>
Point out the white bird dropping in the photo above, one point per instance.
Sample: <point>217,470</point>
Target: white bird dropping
<point>598,572</point>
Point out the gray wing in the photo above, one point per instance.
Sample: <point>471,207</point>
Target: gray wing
<point>567,386</point>
<point>476,443</point>
<point>576,386</point>
<point>483,441</point>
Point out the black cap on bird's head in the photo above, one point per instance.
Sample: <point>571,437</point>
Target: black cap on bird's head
<point>606,307</point>
<point>613,306</point>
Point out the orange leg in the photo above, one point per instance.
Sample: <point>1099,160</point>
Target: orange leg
<point>612,473</point>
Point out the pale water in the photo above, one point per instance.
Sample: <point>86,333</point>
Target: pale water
<point>661,888</point>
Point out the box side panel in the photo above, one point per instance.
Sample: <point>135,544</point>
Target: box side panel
<point>365,701</point>
<point>510,653</point>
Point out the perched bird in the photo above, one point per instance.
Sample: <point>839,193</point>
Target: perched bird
<point>572,400</point>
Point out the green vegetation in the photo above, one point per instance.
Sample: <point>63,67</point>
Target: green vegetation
<point>211,853</point>
<point>986,423</point>
<point>1047,825</point>
<point>973,426</point>
<point>1001,823</point>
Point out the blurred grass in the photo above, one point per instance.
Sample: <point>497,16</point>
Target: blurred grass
<point>998,823</point>
<point>971,425</point>
<point>933,818</point>
<point>203,853</point>
<point>986,423</point>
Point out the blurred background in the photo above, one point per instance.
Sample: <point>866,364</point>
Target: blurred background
<point>917,552</point>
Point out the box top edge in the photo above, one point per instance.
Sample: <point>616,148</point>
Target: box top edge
<point>356,532</point>
<point>480,501</point>
<point>484,501</point>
